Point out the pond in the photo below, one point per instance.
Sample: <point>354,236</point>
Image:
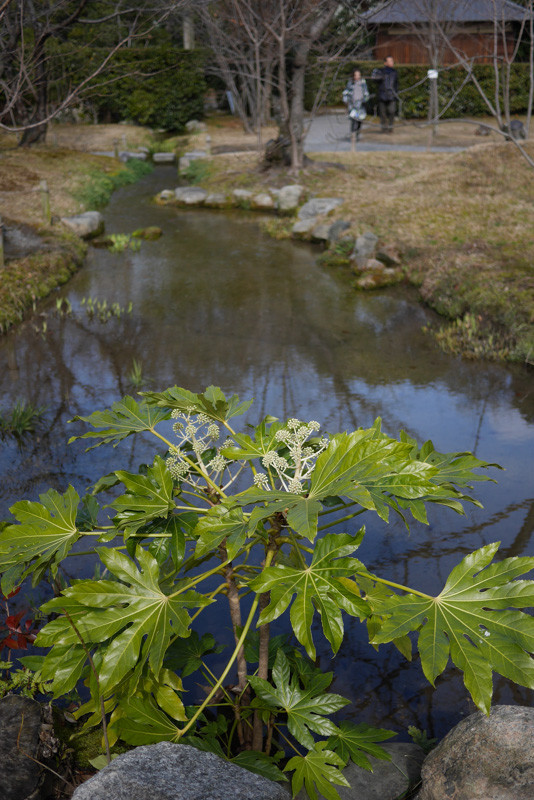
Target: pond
<point>215,300</point>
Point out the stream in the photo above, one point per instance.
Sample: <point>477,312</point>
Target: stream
<point>216,301</point>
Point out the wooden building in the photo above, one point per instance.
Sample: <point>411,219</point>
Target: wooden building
<point>412,31</point>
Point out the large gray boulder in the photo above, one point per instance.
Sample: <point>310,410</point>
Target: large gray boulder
<point>22,740</point>
<point>242,196</point>
<point>389,780</point>
<point>289,197</point>
<point>86,225</point>
<point>364,248</point>
<point>167,771</point>
<point>484,758</point>
<point>303,227</point>
<point>262,202</point>
<point>190,195</point>
<point>319,206</point>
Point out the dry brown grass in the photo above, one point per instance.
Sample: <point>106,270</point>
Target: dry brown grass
<point>64,171</point>
<point>484,194</point>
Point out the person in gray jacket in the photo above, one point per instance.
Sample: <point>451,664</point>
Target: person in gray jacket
<point>355,96</point>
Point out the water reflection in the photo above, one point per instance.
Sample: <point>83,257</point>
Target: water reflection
<point>215,301</point>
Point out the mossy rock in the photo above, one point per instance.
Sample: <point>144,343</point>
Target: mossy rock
<point>149,234</point>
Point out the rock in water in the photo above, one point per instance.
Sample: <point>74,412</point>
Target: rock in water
<point>484,758</point>
<point>20,727</point>
<point>168,771</point>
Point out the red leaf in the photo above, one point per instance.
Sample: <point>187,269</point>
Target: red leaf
<point>13,621</point>
<point>11,643</point>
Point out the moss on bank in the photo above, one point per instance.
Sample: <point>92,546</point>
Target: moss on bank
<point>488,301</point>
<point>28,279</point>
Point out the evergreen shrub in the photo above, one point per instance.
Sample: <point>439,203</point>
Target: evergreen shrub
<point>468,103</point>
<point>162,86</point>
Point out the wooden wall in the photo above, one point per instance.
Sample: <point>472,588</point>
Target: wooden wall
<point>406,48</point>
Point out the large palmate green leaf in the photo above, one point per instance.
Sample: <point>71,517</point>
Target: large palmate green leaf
<point>318,770</point>
<point>148,496</point>
<point>218,525</point>
<point>365,467</point>
<point>46,533</point>
<point>316,586</point>
<point>306,708</point>
<point>63,666</point>
<point>143,722</point>
<point>260,764</point>
<point>456,468</point>
<point>301,512</point>
<point>212,402</point>
<point>130,618</point>
<point>474,621</point>
<point>358,741</point>
<point>246,448</point>
<point>124,418</point>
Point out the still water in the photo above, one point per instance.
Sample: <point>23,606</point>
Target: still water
<point>216,301</point>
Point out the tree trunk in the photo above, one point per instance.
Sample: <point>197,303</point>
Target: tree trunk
<point>37,133</point>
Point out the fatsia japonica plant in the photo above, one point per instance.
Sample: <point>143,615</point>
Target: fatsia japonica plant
<point>242,519</point>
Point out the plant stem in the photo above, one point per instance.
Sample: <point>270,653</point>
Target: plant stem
<point>97,679</point>
<point>211,595</point>
<point>395,585</point>
<point>284,737</point>
<point>198,579</point>
<point>235,615</point>
<point>263,671</point>
<point>191,463</point>
<point>233,657</point>
<point>297,549</point>
<point>337,508</point>
<point>341,519</point>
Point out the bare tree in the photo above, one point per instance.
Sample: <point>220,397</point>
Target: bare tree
<point>505,50</point>
<point>26,29</point>
<point>432,29</point>
<point>262,52</point>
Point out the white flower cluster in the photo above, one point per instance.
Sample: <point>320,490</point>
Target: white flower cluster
<point>200,433</point>
<point>293,470</point>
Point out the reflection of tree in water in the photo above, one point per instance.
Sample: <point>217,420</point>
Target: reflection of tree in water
<point>58,371</point>
<point>267,322</point>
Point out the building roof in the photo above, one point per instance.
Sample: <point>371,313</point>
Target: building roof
<point>413,11</point>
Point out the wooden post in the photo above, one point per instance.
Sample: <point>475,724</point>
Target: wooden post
<point>116,148</point>
<point>45,199</point>
<point>1,244</point>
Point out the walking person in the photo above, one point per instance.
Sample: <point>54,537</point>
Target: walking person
<point>387,94</point>
<point>355,96</point>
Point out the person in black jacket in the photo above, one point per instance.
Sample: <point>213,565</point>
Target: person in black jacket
<point>387,94</point>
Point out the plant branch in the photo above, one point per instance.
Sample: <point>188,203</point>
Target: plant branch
<point>97,679</point>
<point>233,657</point>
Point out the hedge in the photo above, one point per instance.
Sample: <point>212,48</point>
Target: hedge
<point>162,87</point>
<point>415,100</point>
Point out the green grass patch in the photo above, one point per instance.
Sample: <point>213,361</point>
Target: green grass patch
<point>99,186</point>
<point>198,171</point>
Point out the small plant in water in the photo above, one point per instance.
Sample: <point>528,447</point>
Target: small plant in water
<point>22,419</point>
<point>122,242</point>
<point>264,523</point>
<point>102,310</point>
<point>135,376</point>
<point>63,306</point>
